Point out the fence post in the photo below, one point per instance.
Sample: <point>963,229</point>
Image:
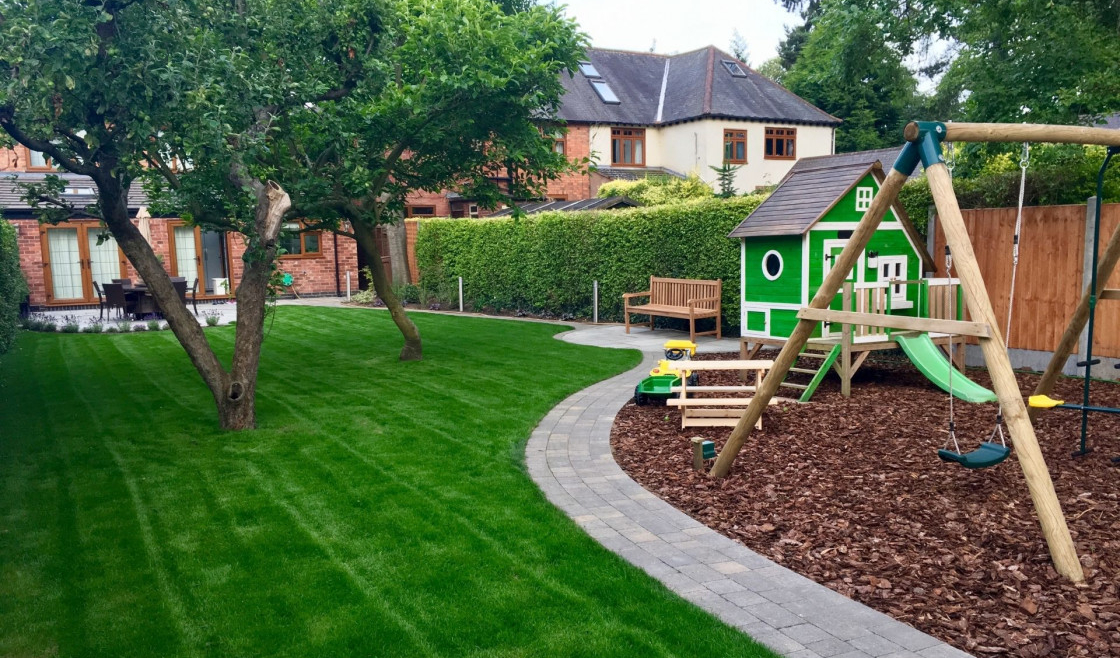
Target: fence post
<point>1087,265</point>
<point>460,294</point>
<point>347,285</point>
<point>595,302</point>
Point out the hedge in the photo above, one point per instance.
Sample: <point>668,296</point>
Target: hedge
<point>12,286</point>
<point>545,264</point>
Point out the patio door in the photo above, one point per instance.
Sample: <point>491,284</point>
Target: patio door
<point>74,256</point>
<point>202,255</point>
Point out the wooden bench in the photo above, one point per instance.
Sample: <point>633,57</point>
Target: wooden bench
<point>718,411</point>
<point>687,299</point>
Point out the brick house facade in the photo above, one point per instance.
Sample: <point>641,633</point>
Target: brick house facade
<point>61,262</point>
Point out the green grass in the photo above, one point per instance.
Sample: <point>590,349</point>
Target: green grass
<point>382,508</point>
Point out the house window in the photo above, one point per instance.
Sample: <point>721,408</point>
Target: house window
<point>472,210</point>
<point>735,146</point>
<point>863,198</point>
<point>559,143</point>
<point>588,70</point>
<point>606,94</point>
<point>894,267</point>
<point>772,265</point>
<point>37,161</point>
<point>781,143</point>
<point>298,243</point>
<point>733,68</point>
<point>420,211</point>
<point>628,147</point>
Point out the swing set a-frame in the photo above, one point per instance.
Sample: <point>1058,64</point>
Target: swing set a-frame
<point>924,140</point>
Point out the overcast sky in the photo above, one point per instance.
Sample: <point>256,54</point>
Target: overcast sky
<point>682,25</point>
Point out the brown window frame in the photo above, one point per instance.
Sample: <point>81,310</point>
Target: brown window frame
<point>410,211</point>
<point>32,167</point>
<point>788,137</point>
<point>731,137</point>
<point>303,235</point>
<point>633,136</point>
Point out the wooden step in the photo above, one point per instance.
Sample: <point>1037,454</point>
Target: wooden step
<point>807,371</point>
<point>815,355</point>
<point>800,387</point>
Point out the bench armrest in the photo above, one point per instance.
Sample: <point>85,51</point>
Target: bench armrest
<point>631,295</point>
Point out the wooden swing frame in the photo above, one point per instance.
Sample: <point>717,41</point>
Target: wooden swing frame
<point>924,141</point>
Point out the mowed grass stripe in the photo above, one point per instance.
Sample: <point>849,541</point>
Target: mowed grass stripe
<point>382,508</point>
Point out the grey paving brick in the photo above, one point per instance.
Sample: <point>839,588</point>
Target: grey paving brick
<point>775,615</point>
<point>905,636</point>
<point>778,642</point>
<point>806,633</point>
<point>829,647</point>
<point>943,651</point>
<point>745,598</point>
<point>875,645</point>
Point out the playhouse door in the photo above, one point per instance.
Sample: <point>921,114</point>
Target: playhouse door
<point>832,250</point>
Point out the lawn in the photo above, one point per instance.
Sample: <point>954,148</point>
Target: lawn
<point>382,508</point>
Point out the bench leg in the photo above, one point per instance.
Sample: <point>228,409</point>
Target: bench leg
<point>626,312</point>
<point>692,329</point>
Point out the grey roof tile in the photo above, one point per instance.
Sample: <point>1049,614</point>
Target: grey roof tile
<point>11,191</point>
<point>801,198</point>
<point>696,85</point>
<point>582,204</point>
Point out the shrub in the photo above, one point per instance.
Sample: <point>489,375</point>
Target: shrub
<point>70,324</point>
<point>13,288</point>
<point>658,190</point>
<point>123,325</point>
<point>546,263</point>
<point>212,318</point>
<point>363,296</point>
<point>94,326</point>
<point>153,325</point>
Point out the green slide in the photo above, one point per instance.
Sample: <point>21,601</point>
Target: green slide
<point>932,362</point>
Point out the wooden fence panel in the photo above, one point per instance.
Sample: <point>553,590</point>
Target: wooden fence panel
<point>1048,285</point>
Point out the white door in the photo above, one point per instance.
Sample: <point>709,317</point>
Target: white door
<point>103,263</point>
<point>186,253</point>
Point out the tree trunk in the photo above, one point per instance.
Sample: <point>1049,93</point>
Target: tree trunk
<point>397,238</point>
<point>364,235</point>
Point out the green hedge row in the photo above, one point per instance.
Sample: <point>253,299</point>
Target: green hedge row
<point>12,286</point>
<point>545,264</point>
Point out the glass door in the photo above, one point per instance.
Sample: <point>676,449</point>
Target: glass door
<point>64,264</point>
<point>186,252</point>
<point>74,256</point>
<point>215,274</point>
<point>196,254</point>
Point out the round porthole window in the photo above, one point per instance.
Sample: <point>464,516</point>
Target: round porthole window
<point>772,265</point>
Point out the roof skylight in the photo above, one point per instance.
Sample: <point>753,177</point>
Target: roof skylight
<point>606,94</point>
<point>588,70</point>
<point>733,68</point>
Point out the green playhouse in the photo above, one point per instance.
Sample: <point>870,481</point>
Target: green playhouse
<point>787,246</point>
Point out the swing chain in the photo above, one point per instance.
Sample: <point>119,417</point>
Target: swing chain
<point>1025,158</point>
<point>950,158</point>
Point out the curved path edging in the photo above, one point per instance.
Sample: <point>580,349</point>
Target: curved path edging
<point>569,457</point>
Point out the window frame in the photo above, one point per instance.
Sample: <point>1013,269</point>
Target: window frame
<point>410,211</point>
<point>897,291</point>
<point>637,136</point>
<point>303,235</point>
<point>864,196</point>
<point>788,138</point>
<point>729,145</point>
<point>34,167</point>
<point>781,265</point>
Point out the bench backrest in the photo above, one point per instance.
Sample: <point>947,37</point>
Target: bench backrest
<point>677,292</point>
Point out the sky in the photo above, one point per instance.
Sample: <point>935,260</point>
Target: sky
<point>683,25</point>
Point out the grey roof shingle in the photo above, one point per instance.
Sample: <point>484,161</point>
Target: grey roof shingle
<point>13,204</point>
<point>582,204</point>
<point>696,85</point>
<point>637,173</point>
<point>800,200</point>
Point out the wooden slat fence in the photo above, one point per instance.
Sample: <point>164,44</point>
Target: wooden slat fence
<point>1049,282</point>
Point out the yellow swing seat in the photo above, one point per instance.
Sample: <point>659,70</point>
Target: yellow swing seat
<point>1044,402</point>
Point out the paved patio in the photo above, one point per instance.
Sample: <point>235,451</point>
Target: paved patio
<point>225,312</point>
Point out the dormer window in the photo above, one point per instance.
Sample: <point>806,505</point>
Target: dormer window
<point>606,94</point>
<point>588,70</point>
<point>734,69</point>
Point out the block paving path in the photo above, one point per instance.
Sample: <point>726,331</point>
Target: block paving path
<point>569,457</point>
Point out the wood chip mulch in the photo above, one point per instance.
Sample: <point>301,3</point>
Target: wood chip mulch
<point>850,493</point>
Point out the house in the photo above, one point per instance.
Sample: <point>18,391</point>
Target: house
<point>790,240</point>
<point>62,262</point>
<point>638,114</point>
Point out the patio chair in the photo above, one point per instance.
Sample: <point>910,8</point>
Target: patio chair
<point>100,301</point>
<point>181,288</point>
<point>115,298</point>
<point>193,290</point>
<point>127,283</point>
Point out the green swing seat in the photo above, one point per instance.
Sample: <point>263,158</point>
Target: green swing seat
<point>988,454</point>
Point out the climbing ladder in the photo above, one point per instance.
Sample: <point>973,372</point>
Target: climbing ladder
<point>825,358</point>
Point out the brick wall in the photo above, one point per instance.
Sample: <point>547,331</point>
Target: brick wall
<point>575,185</point>
<point>11,160</point>
<point>311,275</point>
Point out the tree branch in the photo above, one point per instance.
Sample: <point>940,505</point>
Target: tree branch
<point>7,122</point>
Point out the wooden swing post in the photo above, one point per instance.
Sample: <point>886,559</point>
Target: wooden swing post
<point>804,329</point>
<point>1041,487</point>
<point>1018,132</point>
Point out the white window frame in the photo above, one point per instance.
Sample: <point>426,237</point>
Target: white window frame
<point>864,195</point>
<point>781,265</point>
<point>897,290</point>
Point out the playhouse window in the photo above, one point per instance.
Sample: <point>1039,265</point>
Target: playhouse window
<point>894,267</point>
<point>863,198</point>
<point>772,265</point>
